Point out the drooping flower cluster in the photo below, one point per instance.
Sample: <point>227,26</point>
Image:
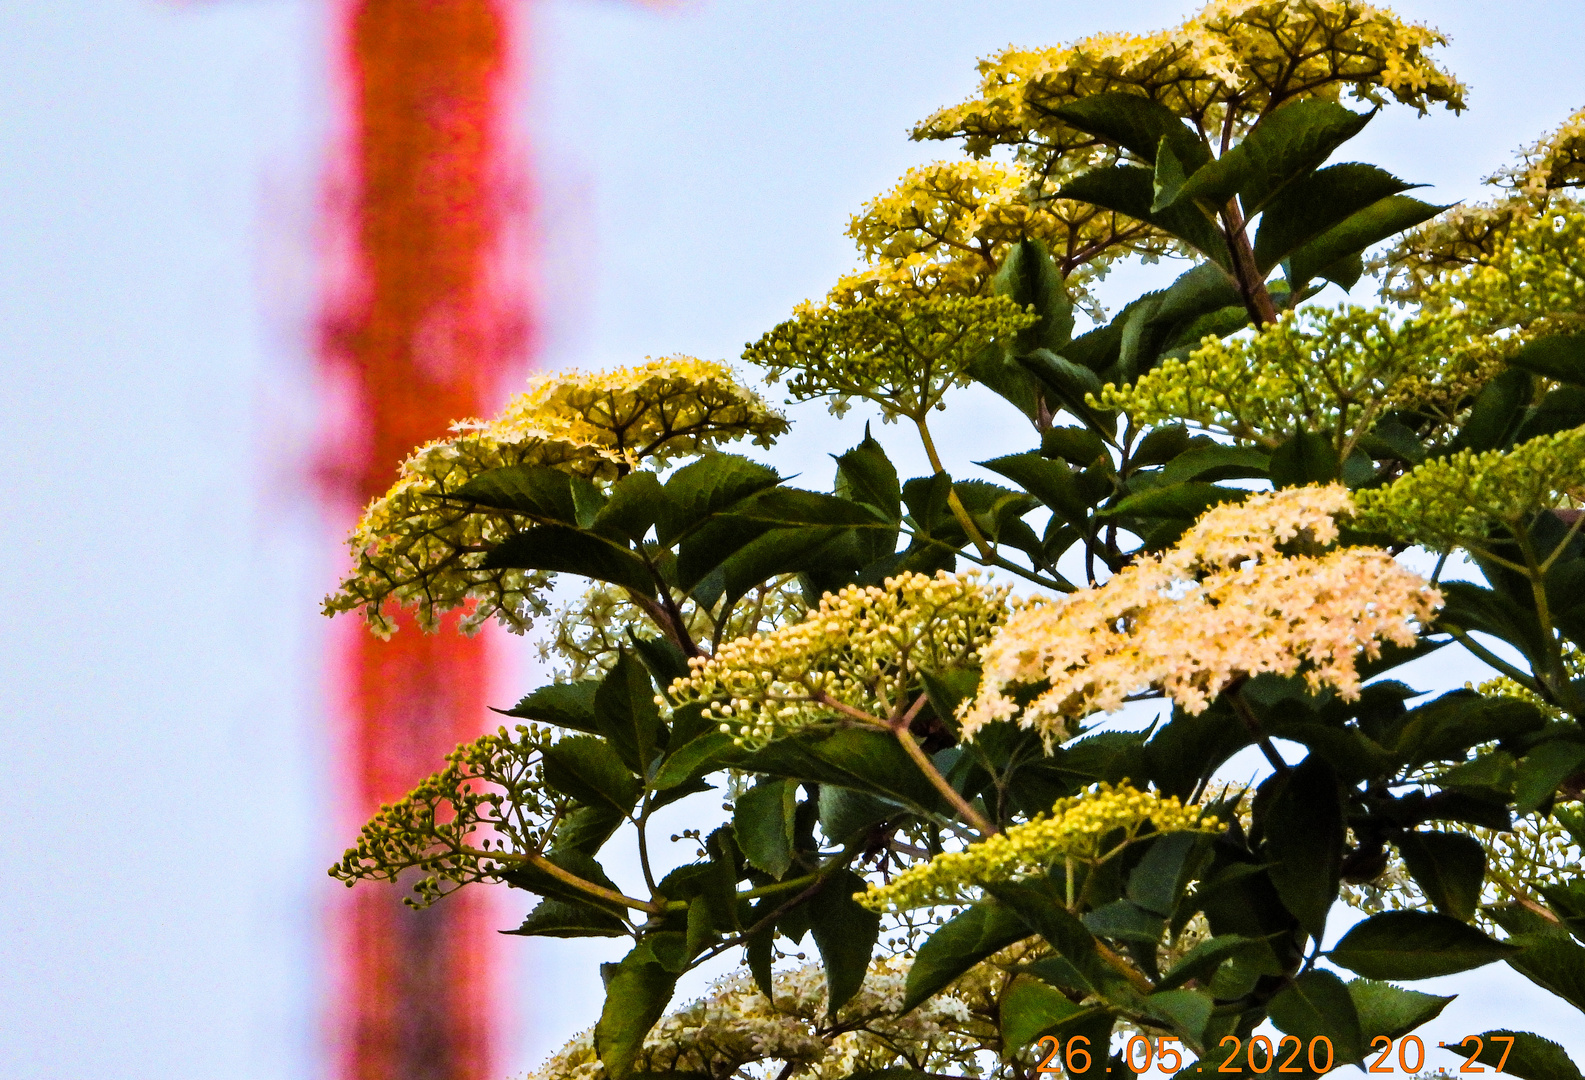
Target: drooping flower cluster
<point>1087,828</point>
<point>903,354</point>
<point>1223,604</point>
<point>734,1028</point>
<point>1458,499</point>
<point>860,653</point>
<point>463,824</point>
<point>1227,65</point>
<point>419,546</point>
<point>1333,372</point>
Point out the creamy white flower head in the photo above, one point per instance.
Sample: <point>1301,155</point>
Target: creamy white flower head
<point>1223,604</point>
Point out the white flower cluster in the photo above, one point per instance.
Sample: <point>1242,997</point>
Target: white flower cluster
<point>735,1030</point>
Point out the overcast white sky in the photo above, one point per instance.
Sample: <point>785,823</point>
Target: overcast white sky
<point>162,765</point>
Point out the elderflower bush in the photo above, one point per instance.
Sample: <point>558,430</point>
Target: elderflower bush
<point>914,776</point>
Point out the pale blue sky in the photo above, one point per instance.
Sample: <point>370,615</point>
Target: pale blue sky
<point>162,767</point>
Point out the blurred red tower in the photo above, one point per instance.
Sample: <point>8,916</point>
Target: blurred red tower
<point>425,314</point>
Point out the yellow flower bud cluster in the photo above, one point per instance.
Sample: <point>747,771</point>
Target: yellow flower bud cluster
<point>860,652</point>
<point>1238,57</point>
<point>464,823</point>
<point>1087,828</point>
<point>903,354</point>
<point>1331,371</point>
<point>417,547</point>
<point>1456,500</point>
<point>945,228</point>
<point>653,412</point>
<point>1223,604</point>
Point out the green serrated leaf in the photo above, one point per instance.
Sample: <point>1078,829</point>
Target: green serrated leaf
<point>586,768</point>
<point>709,486</point>
<point>1391,1011</point>
<point>963,941</point>
<point>1317,1005</point>
<point>1448,867</point>
<point>762,822</point>
<point>626,713</point>
<point>1415,945</point>
<point>1030,1008</point>
<point>1316,202</point>
<point>1527,1056</point>
<point>637,991</point>
<point>1287,144</point>
<point>1379,221</point>
<point>568,705</point>
<point>1304,839</point>
<point>538,492</point>
<point>572,551</point>
<point>569,919</point>
<point>845,933</point>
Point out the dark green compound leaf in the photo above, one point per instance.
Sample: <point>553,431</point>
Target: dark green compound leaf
<point>1448,867</point>
<point>535,491</point>
<point>963,941</point>
<point>568,705</point>
<point>586,768</point>
<point>1457,721</point>
<point>1184,1011</point>
<point>586,828</point>
<point>1131,190</point>
<point>1319,201</point>
<point>1136,124</point>
<point>1562,409</point>
<point>1391,1011</point>
<point>1159,879</point>
<point>845,814</point>
<point>845,933</point>
<point>1030,278</point>
<point>1217,463</point>
<point>1498,411</point>
<point>1542,770</point>
<point>866,475</point>
<point>637,991</point>
<point>696,758</point>
<point>1186,500</point>
<point>1382,219</point>
<point>706,487</point>
<point>1031,1009</point>
<point>569,919</point>
<point>626,713</point>
<point>635,502</point>
<point>1304,840</point>
<point>572,551</point>
<point>1077,446</point>
<point>762,822</point>
<point>1290,142</point>
<point>1559,358</point>
<point>1202,961</point>
<point>1416,945</point>
<point>1306,458</point>
<point>1063,931</point>
<point>1052,482</point>
<point>1316,1005</point>
<point>1528,1056</point>
<point>1553,962</point>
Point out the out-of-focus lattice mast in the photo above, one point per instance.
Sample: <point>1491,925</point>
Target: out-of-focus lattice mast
<point>426,312</point>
